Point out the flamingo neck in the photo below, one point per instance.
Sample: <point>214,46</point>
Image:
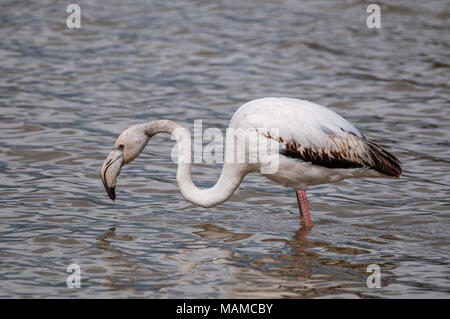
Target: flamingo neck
<point>230,177</point>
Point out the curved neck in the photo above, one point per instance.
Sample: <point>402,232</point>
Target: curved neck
<point>230,177</point>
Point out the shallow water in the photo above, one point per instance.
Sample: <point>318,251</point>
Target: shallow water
<point>65,95</point>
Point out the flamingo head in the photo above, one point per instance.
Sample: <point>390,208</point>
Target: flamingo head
<point>127,147</point>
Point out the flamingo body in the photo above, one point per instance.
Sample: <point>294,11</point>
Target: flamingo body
<point>314,146</point>
<point>317,145</point>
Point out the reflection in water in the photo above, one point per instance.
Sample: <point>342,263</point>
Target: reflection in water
<point>114,259</point>
<point>294,274</point>
<point>300,235</point>
<point>215,232</point>
<point>65,95</point>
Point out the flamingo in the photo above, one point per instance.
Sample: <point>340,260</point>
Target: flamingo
<point>313,144</point>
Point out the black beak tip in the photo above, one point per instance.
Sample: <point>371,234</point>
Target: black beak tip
<point>112,193</point>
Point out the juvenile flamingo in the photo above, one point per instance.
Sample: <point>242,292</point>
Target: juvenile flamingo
<point>313,145</point>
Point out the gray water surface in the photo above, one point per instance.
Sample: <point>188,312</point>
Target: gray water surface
<point>66,94</point>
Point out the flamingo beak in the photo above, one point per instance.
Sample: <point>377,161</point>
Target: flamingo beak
<point>110,170</point>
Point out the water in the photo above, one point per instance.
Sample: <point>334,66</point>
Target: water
<point>66,94</point>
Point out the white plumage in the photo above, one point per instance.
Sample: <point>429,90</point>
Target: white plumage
<point>313,144</point>
<point>305,125</point>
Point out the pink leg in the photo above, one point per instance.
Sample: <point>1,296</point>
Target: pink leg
<point>305,216</point>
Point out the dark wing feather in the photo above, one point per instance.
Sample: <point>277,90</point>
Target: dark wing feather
<point>345,151</point>
<point>383,161</point>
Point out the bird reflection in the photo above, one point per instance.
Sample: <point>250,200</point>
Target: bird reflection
<point>300,235</point>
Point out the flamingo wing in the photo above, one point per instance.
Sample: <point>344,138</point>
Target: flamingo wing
<point>312,133</point>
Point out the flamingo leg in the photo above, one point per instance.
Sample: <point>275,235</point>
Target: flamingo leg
<point>305,216</point>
